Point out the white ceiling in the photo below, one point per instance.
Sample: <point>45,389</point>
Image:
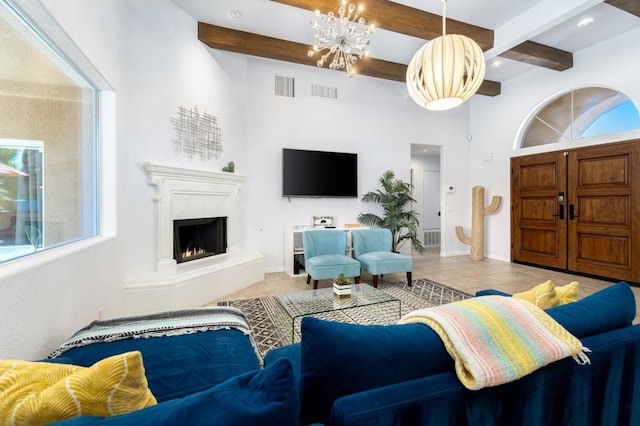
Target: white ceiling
<point>549,22</point>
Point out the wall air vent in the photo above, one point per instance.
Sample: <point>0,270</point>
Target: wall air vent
<point>324,92</point>
<point>285,86</point>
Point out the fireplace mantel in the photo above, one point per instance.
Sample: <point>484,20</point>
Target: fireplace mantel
<point>191,194</point>
<point>188,194</point>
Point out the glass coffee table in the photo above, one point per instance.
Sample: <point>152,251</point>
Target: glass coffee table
<point>367,305</point>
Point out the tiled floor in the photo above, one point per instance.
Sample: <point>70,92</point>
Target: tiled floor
<point>458,272</point>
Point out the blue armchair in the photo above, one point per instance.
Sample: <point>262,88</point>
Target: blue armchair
<point>325,256</point>
<point>372,249</point>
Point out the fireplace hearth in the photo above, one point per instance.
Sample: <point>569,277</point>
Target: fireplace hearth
<point>199,238</point>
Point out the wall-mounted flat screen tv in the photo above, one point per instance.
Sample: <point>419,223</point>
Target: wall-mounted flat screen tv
<point>319,173</point>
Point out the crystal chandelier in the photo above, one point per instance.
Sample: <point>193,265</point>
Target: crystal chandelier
<point>345,37</point>
<point>446,71</point>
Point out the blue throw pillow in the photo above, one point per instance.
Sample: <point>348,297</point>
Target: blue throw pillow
<point>340,359</point>
<point>260,398</point>
<point>290,352</point>
<point>608,309</point>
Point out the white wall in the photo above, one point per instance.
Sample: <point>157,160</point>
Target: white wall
<point>372,117</point>
<point>495,121</point>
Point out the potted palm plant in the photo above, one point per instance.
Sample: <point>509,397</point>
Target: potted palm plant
<point>394,196</point>
<point>342,286</point>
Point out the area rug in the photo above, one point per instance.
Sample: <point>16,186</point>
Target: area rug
<point>271,328</point>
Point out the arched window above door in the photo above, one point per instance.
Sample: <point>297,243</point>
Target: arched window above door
<point>581,113</point>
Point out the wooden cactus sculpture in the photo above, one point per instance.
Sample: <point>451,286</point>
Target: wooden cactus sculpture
<point>478,212</point>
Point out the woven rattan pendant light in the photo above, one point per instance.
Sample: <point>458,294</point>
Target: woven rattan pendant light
<point>446,71</point>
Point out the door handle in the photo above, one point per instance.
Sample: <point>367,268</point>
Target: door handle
<point>572,214</point>
<point>560,213</point>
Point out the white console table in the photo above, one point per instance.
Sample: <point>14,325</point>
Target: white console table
<point>293,249</point>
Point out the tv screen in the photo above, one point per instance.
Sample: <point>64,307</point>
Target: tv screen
<point>319,173</point>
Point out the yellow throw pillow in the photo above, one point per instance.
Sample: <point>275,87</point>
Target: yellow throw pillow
<point>543,295</point>
<point>39,393</point>
<point>567,293</point>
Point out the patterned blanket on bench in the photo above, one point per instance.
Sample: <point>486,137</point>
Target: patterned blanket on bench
<point>495,339</point>
<point>158,324</point>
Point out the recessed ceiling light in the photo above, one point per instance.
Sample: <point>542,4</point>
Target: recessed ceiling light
<point>585,22</point>
<point>236,14</point>
<point>496,63</point>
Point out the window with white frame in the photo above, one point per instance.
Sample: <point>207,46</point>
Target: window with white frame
<point>48,143</point>
<point>581,113</point>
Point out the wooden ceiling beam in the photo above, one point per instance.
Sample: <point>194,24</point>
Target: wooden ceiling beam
<point>407,20</point>
<point>402,19</point>
<point>289,51</point>
<point>630,6</point>
<point>540,55</point>
<point>253,44</point>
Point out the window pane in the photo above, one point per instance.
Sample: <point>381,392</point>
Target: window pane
<point>557,115</point>
<point>47,144</point>
<point>590,103</point>
<point>619,119</point>
<point>582,113</point>
<point>540,133</point>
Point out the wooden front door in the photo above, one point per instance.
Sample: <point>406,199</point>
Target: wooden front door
<point>578,210</point>
<point>603,210</point>
<point>538,213</point>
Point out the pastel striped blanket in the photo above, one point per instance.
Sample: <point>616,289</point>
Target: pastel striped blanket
<point>495,339</point>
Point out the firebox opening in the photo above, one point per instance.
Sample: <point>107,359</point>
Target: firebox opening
<point>198,238</point>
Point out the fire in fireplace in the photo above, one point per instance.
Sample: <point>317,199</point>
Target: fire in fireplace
<point>198,238</point>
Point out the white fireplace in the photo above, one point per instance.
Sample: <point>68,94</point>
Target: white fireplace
<point>192,194</point>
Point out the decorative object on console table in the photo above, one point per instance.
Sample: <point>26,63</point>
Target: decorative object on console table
<point>478,212</point>
<point>342,286</point>
<point>323,222</point>
<point>231,167</point>
<point>394,197</point>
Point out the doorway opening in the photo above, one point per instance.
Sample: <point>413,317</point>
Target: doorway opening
<point>426,180</point>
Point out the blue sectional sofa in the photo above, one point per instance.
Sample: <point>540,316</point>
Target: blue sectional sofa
<point>210,374</point>
<point>347,374</point>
